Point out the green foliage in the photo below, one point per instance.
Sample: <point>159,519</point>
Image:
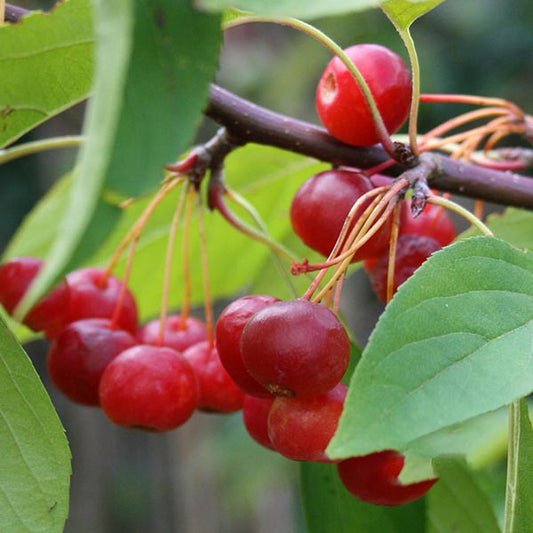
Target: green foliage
<point>519,500</point>
<point>513,225</point>
<point>145,110</point>
<point>292,8</point>
<point>35,463</point>
<point>46,66</point>
<point>330,508</point>
<point>405,12</point>
<point>454,343</point>
<point>457,502</point>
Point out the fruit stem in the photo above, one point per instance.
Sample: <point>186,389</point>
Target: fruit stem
<point>208,302</point>
<point>500,124</point>
<point>171,245</point>
<point>474,100</point>
<point>141,222</point>
<point>187,277</point>
<point>217,202</point>
<point>256,217</point>
<point>415,73</point>
<point>393,245</point>
<point>456,208</point>
<point>461,120</point>
<point>331,45</point>
<point>333,258</point>
<point>125,282</point>
<point>21,150</point>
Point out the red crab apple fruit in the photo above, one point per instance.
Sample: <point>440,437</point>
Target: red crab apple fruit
<point>296,348</point>
<point>342,106</point>
<point>228,332</point>
<point>149,387</point>
<point>374,479</point>
<point>301,428</point>
<point>79,355</point>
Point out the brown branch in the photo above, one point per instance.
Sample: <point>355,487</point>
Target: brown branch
<point>252,123</point>
<point>14,13</point>
<point>248,122</point>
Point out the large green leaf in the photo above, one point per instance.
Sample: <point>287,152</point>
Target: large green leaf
<point>519,497</point>
<point>154,65</point>
<point>330,508</point>
<point>46,66</point>
<point>309,9</point>
<point>454,343</point>
<point>35,458</point>
<point>457,503</point>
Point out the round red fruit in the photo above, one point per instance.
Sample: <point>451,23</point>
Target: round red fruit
<point>374,479</point>
<point>296,348</point>
<point>228,340</point>
<point>342,106</point>
<point>255,416</point>
<point>79,355</point>
<point>94,294</point>
<point>16,276</point>
<point>321,205</point>
<point>411,251</point>
<point>179,333</point>
<point>149,387</point>
<point>217,391</point>
<point>301,428</point>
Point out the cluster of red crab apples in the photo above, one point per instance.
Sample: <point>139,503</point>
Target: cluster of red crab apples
<point>281,362</point>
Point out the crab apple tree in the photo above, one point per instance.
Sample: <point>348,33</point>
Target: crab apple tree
<point>277,247</point>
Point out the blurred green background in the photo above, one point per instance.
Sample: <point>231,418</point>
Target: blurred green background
<point>209,476</point>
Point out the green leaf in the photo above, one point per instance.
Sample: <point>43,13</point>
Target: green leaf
<point>152,92</point>
<point>35,464</point>
<point>307,10</point>
<point>454,343</point>
<point>154,64</point>
<point>405,12</point>
<point>481,439</point>
<point>519,496</point>
<point>457,503</point>
<point>330,508</point>
<point>46,66</point>
<point>513,225</point>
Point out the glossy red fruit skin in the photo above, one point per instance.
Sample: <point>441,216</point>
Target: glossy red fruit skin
<point>79,355</point>
<point>301,428</point>
<point>255,417</point>
<point>228,333</point>
<point>374,479</point>
<point>433,221</point>
<point>89,298</point>
<point>149,387</point>
<point>296,348</point>
<point>217,391</point>
<point>179,334</point>
<point>341,105</point>
<point>320,207</point>
<point>411,252</point>
<point>16,276</point>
